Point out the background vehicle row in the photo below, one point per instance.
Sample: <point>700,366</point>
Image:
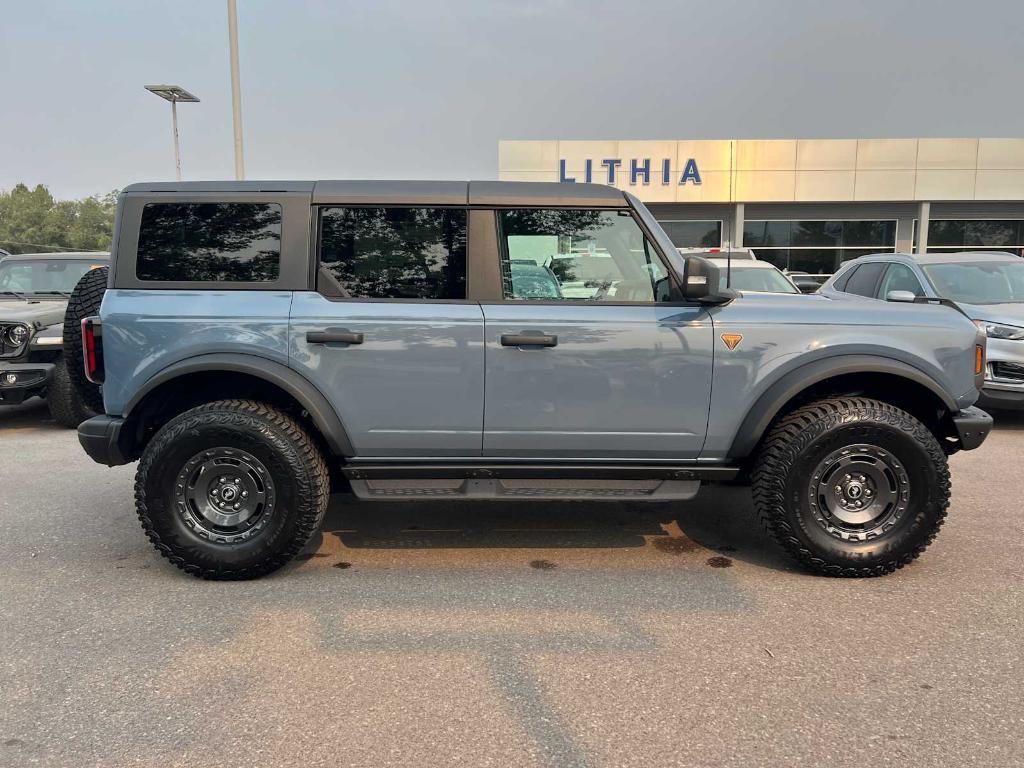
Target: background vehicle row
<point>34,361</point>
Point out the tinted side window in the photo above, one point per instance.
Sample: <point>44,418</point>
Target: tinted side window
<point>210,242</point>
<point>581,255</point>
<point>393,253</point>
<point>863,281</point>
<point>843,279</point>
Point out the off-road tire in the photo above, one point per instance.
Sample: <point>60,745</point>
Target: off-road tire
<point>84,302</point>
<point>794,449</point>
<point>275,441</point>
<point>65,404</point>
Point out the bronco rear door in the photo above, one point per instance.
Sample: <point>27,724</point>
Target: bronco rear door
<point>389,335</point>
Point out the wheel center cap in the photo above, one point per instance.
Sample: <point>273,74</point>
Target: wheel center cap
<point>229,492</point>
<point>854,490</point>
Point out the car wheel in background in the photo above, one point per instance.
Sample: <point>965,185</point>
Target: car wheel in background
<point>84,302</point>
<point>851,486</point>
<point>231,490</point>
<point>66,406</point>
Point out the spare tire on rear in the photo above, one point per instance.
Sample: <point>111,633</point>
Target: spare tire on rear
<point>85,301</point>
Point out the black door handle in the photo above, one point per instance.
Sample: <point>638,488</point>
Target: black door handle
<point>529,340</point>
<point>333,336</point>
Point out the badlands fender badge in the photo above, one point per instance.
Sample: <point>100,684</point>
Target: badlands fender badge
<point>732,340</point>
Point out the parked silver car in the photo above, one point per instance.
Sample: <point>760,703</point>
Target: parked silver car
<point>987,286</point>
<point>754,277</point>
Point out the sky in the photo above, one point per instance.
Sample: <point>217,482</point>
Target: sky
<point>402,89</point>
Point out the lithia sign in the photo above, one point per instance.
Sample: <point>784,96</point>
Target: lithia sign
<point>639,172</point>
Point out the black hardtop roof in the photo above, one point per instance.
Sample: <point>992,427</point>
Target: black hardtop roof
<point>64,256</point>
<point>500,193</point>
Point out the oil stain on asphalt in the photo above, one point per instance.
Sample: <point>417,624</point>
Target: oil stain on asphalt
<point>675,545</point>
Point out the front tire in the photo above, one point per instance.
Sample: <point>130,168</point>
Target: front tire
<point>851,486</point>
<point>231,490</point>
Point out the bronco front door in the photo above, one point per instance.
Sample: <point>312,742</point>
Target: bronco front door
<point>587,356</point>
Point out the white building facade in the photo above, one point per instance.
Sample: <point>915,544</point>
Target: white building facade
<point>804,204</point>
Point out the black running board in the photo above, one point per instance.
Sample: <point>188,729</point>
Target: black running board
<point>592,482</point>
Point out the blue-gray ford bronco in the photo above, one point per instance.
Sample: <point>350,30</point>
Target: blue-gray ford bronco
<point>256,343</point>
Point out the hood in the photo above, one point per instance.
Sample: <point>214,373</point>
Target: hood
<point>1004,314</point>
<point>32,312</point>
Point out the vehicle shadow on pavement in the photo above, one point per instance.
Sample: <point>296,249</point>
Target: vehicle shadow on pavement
<point>32,414</point>
<point>1009,421</point>
<point>719,524</point>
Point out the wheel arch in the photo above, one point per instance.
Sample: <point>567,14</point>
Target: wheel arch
<point>225,375</point>
<point>886,379</point>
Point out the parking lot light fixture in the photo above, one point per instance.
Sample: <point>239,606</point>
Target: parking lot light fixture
<point>174,94</point>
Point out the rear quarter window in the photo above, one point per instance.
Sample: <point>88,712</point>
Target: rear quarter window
<point>865,279</point>
<point>843,279</point>
<point>209,242</point>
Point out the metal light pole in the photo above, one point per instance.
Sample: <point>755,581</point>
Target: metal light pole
<point>174,94</point>
<point>236,89</point>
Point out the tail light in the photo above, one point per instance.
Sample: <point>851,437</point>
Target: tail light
<point>92,349</point>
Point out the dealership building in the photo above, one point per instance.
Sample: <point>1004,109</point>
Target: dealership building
<point>804,204</point>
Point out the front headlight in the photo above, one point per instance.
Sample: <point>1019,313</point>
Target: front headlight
<point>17,335</point>
<point>997,331</point>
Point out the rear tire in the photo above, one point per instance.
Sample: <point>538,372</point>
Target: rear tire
<point>231,490</point>
<point>84,302</point>
<point>851,486</point>
<point>65,404</point>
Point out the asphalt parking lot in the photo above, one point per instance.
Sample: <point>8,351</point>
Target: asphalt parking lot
<point>523,634</point>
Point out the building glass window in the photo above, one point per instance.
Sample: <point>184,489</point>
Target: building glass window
<point>950,235</point>
<point>817,246</point>
<point>693,234</point>
<point>393,253</point>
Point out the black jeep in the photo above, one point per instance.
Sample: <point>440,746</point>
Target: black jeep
<point>34,292</point>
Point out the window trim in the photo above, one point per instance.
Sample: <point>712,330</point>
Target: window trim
<point>316,238</point>
<point>666,264</point>
<point>293,272</point>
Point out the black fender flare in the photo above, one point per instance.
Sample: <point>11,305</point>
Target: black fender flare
<point>792,383</point>
<point>295,384</point>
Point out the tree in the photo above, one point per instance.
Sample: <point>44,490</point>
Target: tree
<point>31,220</point>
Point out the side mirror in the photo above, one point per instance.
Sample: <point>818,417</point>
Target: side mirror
<point>906,297</point>
<point>702,281</point>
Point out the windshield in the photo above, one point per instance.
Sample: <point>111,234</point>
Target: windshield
<point>757,279</point>
<point>43,277</point>
<point>530,281</point>
<point>979,282</point>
